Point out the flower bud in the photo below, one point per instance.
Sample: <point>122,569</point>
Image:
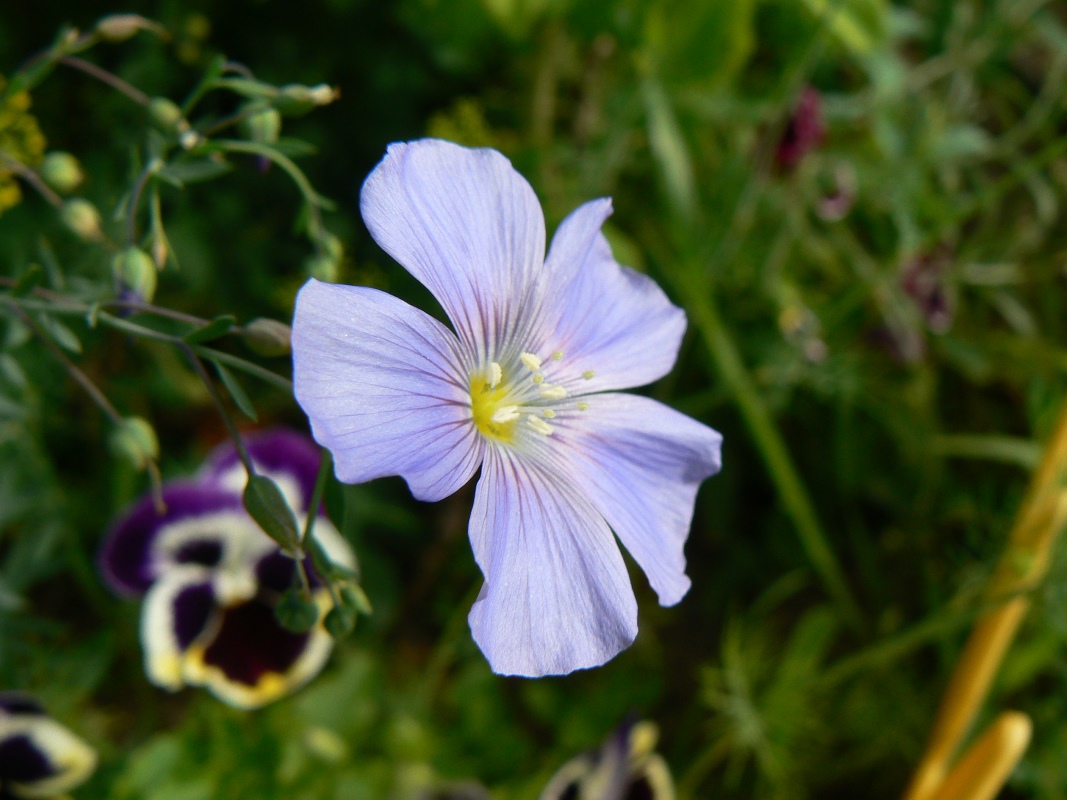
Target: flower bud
<point>268,337</point>
<point>340,621</point>
<point>323,268</point>
<point>120,27</point>
<point>62,171</point>
<point>295,613</point>
<point>166,114</point>
<point>294,100</point>
<point>81,216</point>
<point>135,270</point>
<point>135,440</point>
<point>264,126</point>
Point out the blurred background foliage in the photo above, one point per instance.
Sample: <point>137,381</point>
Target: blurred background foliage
<point>860,204</point>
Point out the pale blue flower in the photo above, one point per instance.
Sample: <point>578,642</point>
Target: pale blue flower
<point>524,389</point>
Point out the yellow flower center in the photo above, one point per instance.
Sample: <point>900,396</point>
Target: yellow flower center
<point>487,402</point>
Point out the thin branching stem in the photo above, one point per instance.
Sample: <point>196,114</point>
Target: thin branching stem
<point>112,80</point>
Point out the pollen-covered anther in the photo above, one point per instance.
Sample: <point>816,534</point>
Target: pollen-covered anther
<point>539,425</point>
<point>588,374</point>
<point>530,361</point>
<point>553,392</point>
<point>538,378</point>
<point>557,356</point>
<point>548,413</point>
<point>583,406</point>
<point>505,414</point>
<point>495,374</point>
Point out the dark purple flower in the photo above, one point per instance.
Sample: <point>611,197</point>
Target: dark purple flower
<point>803,132</point>
<point>924,279</point>
<point>38,757</point>
<point>212,579</point>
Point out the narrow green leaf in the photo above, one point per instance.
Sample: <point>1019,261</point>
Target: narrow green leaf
<point>218,327</point>
<point>229,380</point>
<point>60,333</point>
<point>266,504</point>
<point>194,170</point>
<point>12,371</point>
<point>27,281</point>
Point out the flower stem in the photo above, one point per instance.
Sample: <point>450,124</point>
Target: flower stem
<point>1021,566</point>
<point>112,80</point>
<point>775,454</point>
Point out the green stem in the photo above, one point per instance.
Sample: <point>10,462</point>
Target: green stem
<point>769,441</point>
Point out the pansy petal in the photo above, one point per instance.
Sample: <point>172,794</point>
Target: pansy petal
<point>126,557</point>
<point>640,464</point>
<point>286,456</point>
<point>467,225</point>
<point>41,758</point>
<point>177,610</point>
<point>556,596</point>
<point>19,703</point>
<point>605,319</point>
<point>383,385</point>
<point>251,660</point>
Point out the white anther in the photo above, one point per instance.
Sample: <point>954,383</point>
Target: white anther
<point>532,362</point>
<point>539,425</point>
<point>583,406</point>
<point>495,374</point>
<point>538,378</point>
<point>588,374</point>
<point>557,356</point>
<point>505,414</point>
<point>553,392</point>
<point>549,413</point>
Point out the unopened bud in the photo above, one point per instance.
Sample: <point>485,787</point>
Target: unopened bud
<point>120,27</point>
<point>268,337</point>
<point>264,126</point>
<point>81,216</point>
<point>340,622</point>
<point>323,268</point>
<point>136,271</point>
<point>62,171</point>
<point>294,99</point>
<point>295,613</point>
<point>135,440</point>
<point>166,114</point>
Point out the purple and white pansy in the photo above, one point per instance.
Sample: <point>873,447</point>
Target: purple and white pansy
<point>38,756</point>
<point>524,388</point>
<point>211,578</point>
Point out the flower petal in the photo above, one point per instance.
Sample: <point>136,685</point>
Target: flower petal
<point>126,558</point>
<point>177,610</point>
<point>603,317</point>
<point>556,596</point>
<point>251,660</point>
<point>286,456</point>
<point>468,226</point>
<point>640,464</point>
<point>383,385</point>
<point>41,758</point>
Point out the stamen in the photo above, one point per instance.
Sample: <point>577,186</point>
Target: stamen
<point>549,413</point>
<point>495,374</point>
<point>538,378</point>
<point>532,362</point>
<point>583,406</point>
<point>505,414</point>
<point>553,392</point>
<point>539,425</point>
<point>588,374</point>
<point>557,356</point>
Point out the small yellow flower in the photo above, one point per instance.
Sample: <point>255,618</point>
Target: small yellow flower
<point>21,140</point>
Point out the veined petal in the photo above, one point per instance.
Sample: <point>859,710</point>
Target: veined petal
<point>127,559</point>
<point>468,226</point>
<point>607,319</point>
<point>384,387</point>
<point>290,458</point>
<point>640,464</point>
<point>556,596</point>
